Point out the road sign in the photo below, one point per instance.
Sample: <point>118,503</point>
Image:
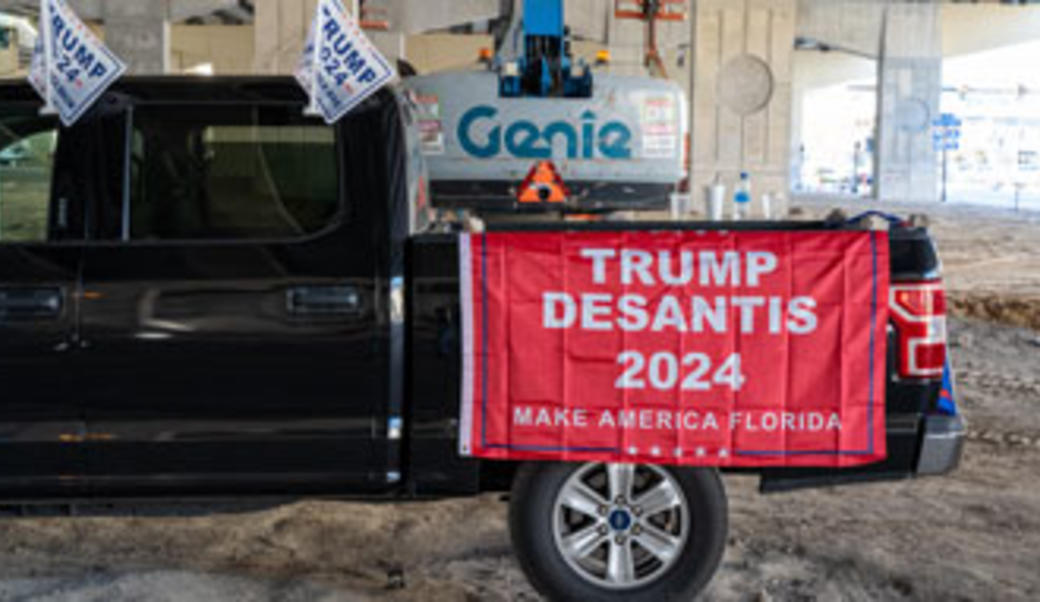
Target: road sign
<point>947,133</point>
<point>947,120</point>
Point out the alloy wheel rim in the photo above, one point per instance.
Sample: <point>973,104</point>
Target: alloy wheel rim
<point>621,526</point>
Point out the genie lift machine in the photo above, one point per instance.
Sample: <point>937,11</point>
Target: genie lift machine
<point>534,129</point>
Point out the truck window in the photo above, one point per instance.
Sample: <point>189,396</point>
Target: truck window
<point>221,172</point>
<point>27,145</point>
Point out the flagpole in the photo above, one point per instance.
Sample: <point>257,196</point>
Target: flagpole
<point>45,27</point>
<point>312,108</point>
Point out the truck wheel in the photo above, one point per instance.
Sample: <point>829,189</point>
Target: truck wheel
<point>612,532</point>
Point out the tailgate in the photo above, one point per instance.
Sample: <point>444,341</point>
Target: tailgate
<point>924,429</point>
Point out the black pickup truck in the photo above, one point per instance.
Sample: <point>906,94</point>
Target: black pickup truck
<point>206,295</point>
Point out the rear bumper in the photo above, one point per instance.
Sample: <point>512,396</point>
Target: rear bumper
<point>917,446</point>
<point>941,445</point>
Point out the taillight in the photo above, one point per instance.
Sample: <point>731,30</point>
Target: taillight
<point>919,312</point>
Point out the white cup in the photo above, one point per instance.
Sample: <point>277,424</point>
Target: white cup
<point>714,200</point>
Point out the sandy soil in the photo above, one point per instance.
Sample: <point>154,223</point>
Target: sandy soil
<point>974,535</point>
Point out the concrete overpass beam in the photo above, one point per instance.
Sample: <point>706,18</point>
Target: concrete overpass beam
<point>416,16</point>
<point>138,31</point>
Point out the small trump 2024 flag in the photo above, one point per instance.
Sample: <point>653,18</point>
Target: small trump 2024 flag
<point>70,67</point>
<point>340,67</point>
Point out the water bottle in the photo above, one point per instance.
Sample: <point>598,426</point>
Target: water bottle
<point>742,197</point>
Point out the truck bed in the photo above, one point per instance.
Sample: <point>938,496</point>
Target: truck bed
<point>435,467</point>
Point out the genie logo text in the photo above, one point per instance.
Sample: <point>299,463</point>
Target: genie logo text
<point>524,139</point>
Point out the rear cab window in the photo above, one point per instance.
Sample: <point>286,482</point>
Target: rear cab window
<point>230,173</point>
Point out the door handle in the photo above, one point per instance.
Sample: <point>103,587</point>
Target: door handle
<point>323,300</point>
<point>30,303</point>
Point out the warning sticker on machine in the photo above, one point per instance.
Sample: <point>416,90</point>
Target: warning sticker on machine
<point>431,137</point>
<point>431,128</point>
<point>660,128</point>
<point>659,147</point>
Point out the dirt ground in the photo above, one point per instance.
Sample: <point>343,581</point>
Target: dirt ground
<point>974,535</point>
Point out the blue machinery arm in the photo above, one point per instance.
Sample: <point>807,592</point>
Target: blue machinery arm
<point>546,67</point>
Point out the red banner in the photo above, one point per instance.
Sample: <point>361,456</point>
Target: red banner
<point>687,348</point>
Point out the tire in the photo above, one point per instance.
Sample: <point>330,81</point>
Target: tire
<point>563,552</point>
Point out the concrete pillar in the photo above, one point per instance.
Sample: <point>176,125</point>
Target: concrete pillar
<point>741,95</point>
<point>138,31</point>
<point>280,29</point>
<point>909,91</point>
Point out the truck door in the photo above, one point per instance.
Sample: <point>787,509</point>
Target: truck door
<point>40,253</point>
<point>236,334</point>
